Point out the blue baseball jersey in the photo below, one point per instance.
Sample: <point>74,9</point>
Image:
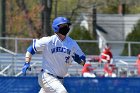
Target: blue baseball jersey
<point>57,54</point>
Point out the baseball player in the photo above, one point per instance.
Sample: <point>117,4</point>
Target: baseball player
<point>109,70</point>
<point>58,50</point>
<point>137,64</point>
<point>106,55</point>
<point>87,70</point>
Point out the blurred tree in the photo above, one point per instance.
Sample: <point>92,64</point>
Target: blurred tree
<point>22,19</point>
<point>46,17</point>
<point>67,8</point>
<point>21,4</point>
<point>2,21</point>
<point>28,18</point>
<point>133,6</point>
<point>32,18</point>
<point>111,6</point>
<point>133,36</point>
<point>79,33</point>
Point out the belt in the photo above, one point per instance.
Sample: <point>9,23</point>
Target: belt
<point>56,76</point>
<point>53,75</point>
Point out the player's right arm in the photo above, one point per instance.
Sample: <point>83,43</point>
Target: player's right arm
<point>28,57</point>
<point>37,45</point>
<point>29,53</point>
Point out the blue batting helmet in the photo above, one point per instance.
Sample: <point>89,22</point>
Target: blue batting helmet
<point>59,20</point>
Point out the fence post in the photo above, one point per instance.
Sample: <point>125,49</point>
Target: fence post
<point>16,47</point>
<point>129,49</point>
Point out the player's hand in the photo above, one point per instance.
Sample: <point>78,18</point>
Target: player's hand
<point>25,68</point>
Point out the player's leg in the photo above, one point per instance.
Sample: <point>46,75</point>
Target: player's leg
<point>114,75</point>
<point>42,90</point>
<point>50,84</point>
<point>106,75</point>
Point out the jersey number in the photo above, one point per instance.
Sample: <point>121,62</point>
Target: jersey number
<point>67,59</point>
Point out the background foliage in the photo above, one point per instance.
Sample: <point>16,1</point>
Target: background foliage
<point>133,36</point>
<point>30,24</point>
<point>79,33</point>
<point>16,25</point>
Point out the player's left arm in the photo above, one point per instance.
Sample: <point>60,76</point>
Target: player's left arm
<point>78,55</point>
<point>79,59</point>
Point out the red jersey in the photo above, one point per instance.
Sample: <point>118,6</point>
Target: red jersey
<point>87,68</point>
<point>138,66</point>
<point>106,55</point>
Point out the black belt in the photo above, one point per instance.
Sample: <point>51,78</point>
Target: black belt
<point>53,75</point>
<point>56,76</point>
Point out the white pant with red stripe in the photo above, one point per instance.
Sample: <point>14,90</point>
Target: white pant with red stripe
<point>50,84</point>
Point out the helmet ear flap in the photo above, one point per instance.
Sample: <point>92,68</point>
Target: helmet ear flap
<point>55,28</point>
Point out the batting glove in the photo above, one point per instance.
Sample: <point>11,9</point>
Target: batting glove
<point>76,58</point>
<point>25,68</point>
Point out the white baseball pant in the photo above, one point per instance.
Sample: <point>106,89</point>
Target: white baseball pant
<point>50,84</point>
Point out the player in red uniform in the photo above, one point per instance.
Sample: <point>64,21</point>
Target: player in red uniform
<point>109,70</point>
<point>106,58</point>
<point>106,55</point>
<point>138,65</point>
<point>87,70</point>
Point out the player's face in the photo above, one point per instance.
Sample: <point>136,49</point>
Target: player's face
<point>64,29</point>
